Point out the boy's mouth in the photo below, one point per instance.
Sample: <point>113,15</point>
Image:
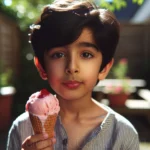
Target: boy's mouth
<point>72,84</point>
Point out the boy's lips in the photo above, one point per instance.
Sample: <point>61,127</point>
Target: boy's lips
<point>72,84</point>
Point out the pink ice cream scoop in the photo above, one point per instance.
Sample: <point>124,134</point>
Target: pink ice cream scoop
<point>43,109</point>
<point>42,103</point>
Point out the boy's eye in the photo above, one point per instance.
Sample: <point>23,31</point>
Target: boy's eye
<point>57,55</point>
<point>87,55</point>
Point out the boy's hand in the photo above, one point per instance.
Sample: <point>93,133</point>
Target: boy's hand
<point>38,142</point>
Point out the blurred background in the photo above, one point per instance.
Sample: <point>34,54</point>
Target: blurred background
<point>19,78</point>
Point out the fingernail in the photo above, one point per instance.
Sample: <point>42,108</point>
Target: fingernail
<point>45,135</point>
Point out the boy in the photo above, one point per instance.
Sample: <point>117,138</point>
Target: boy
<point>74,43</point>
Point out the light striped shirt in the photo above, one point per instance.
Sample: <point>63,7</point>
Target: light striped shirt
<point>114,133</point>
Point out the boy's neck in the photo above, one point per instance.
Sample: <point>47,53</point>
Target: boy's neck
<point>75,108</point>
<point>79,109</point>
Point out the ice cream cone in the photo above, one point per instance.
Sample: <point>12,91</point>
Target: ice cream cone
<point>47,126</point>
<point>43,109</point>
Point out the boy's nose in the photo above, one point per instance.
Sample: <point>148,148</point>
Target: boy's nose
<point>72,66</point>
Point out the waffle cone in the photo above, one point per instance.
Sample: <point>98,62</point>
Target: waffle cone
<point>47,126</point>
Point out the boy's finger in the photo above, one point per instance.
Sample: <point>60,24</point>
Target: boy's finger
<point>45,143</point>
<point>47,148</point>
<point>30,142</point>
<point>37,137</point>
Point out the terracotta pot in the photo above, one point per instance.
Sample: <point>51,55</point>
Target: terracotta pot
<point>5,111</point>
<point>117,100</point>
<point>6,100</point>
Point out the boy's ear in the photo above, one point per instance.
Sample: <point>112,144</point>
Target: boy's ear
<point>102,75</point>
<point>40,69</point>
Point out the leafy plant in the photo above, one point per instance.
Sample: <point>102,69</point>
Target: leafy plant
<point>119,71</point>
<point>6,77</point>
<point>117,4</point>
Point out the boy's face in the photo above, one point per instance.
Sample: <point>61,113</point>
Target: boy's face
<point>73,70</point>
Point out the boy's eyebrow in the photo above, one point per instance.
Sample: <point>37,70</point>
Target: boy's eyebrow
<point>87,44</point>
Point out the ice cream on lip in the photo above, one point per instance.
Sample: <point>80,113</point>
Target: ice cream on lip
<point>42,103</point>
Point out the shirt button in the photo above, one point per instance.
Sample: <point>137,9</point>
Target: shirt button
<point>65,142</point>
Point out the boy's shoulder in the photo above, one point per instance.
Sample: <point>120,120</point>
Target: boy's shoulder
<point>24,117</point>
<point>116,131</point>
<point>22,122</point>
<point>118,121</point>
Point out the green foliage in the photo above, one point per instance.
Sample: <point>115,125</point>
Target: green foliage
<point>8,11</point>
<point>6,76</point>
<point>27,11</point>
<point>120,70</point>
<point>24,11</point>
<point>115,5</point>
<point>139,2</point>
